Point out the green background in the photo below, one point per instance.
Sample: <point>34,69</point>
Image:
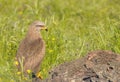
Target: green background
<point>75,27</point>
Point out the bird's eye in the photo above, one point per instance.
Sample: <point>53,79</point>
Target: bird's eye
<point>39,25</point>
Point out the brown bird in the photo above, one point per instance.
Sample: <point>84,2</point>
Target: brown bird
<point>32,49</point>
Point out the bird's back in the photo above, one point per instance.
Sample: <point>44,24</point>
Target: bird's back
<point>31,53</point>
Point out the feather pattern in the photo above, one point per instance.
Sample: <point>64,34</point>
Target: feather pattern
<point>31,50</point>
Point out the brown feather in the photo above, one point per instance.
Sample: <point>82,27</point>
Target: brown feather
<point>31,50</point>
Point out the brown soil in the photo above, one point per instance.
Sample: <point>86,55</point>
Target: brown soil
<point>96,66</point>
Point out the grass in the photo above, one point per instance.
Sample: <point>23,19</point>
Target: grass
<point>76,27</point>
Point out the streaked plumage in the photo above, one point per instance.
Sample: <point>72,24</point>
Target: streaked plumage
<point>32,49</point>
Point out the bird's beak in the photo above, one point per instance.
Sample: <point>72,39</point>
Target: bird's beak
<point>44,28</point>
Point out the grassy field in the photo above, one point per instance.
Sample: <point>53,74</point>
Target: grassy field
<point>76,27</point>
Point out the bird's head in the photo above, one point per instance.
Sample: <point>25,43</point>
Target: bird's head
<point>37,26</point>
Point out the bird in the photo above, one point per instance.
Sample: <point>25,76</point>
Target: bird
<point>31,50</point>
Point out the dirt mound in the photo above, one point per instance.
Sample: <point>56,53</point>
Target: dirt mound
<point>96,66</point>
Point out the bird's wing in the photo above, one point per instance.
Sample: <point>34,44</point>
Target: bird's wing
<point>34,54</point>
<point>22,49</point>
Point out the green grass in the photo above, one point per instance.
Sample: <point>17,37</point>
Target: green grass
<point>76,27</point>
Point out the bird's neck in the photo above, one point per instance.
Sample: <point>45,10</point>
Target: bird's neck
<point>32,36</point>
